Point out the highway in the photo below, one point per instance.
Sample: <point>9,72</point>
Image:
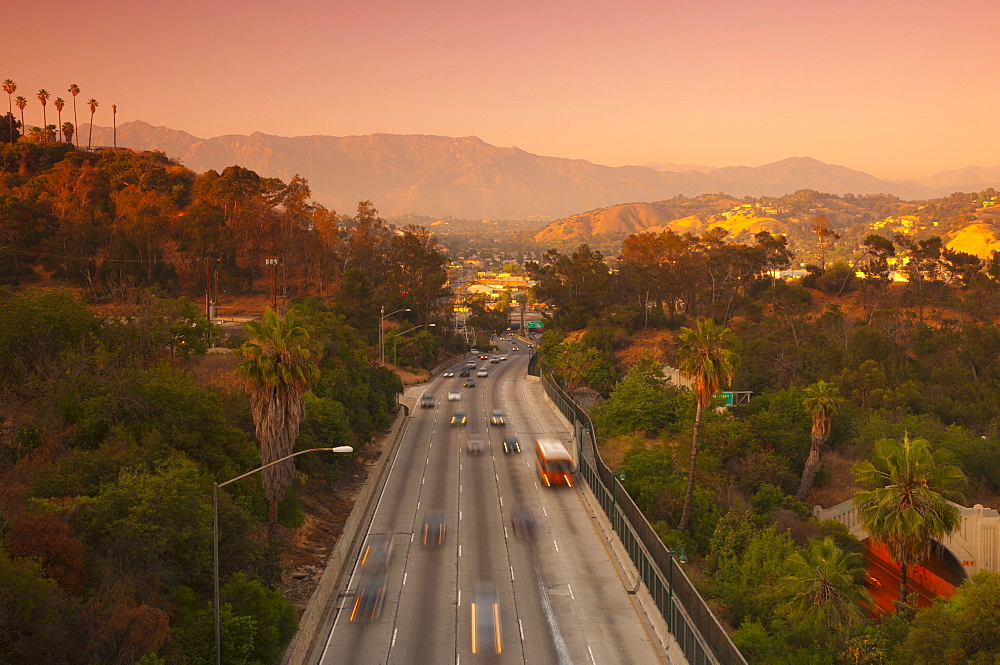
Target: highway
<point>556,597</point>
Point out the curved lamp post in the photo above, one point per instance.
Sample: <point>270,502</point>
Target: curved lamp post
<point>215,531</point>
<point>396,338</point>
<point>681,554</point>
<point>381,336</point>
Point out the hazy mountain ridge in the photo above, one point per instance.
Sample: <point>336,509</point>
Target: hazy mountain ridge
<point>468,178</point>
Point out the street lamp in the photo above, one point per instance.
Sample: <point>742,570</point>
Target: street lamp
<point>381,335</point>
<point>682,558</point>
<point>215,531</point>
<point>396,338</point>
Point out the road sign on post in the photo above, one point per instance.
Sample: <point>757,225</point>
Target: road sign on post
<point>533,324</point>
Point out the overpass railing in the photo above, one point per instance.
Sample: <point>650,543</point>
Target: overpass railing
<point>697,631</point>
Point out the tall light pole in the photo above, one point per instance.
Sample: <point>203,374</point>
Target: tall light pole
<point>272,263</point>
<point>215,531</point>
<point>396,338</point>
<point>682,552</point>
<point>381,336</point>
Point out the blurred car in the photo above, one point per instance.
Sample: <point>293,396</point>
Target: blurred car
<point>369,597</point>
<point>465,372</point>
<point>503,357</point>
<point>482,373</point>
<point>427,401</point>
<point>495,359</point>
<point>483,356</point>
<point>432,532</point>
<point>470,383</point>
<point>454,396</point>
<point>485,607</point>
<point>497,419</point>
<point>448,374</point>
<point>523,521</point>
<point>476,445</point>
<point>515,349</point>
<point>871,581</point>
<point>511,444</point>
<point>458,418</point>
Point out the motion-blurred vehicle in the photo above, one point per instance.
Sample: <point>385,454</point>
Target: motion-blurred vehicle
<point>495,359</point>
<point>515,349</point>
<point>503,357</point>
<point>448,374</point>
<point>523,521</point>
<point>432,532</point>
<point>483,356</point>
<point>427,401</point>
<point>458,418</point>
<point>497,419</point>
<point>485,606</point>
<point>511,444</point>
<point>465,372</point>
<point>871,581</point>
<point>476,445</point>
<point>470,383</point>
<point>369,597</point>
<point>554,463</point>
<point>482,373</point>
<point>454,396</point>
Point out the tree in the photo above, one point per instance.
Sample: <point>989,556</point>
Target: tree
<point>823,587</point>
<point>93,104</point>
<point>10,87</point>
<point>277,367</point>
<point>822,402</point>
<point>906,504</point>
<point>43,96</point>
<point>67,131</point>
<point>74,90</point>
<point>705,355</point>
<point>20,102</point>
<point>641,402</point>
<point>59,103</point>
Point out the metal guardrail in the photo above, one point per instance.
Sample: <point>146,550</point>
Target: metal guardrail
<point>698,632</point>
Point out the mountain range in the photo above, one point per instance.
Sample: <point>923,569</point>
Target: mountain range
<point>465,177</point>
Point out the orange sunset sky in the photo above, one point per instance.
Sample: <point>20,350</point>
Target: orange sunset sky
<point>896,88</point>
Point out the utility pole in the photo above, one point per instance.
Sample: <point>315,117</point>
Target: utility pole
<point>208,290</point>
<point>272,263</point>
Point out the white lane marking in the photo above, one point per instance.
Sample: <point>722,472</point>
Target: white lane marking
<point>405,574</point>
<point>394,637</point>
<point>418,505</point>
<point>568,586</point>
<point>459,549</point>
<point>591,655</point>
<point>423,480</point>
<point>512,575</point>
<point>521,628</point>
<point>556,544</point>
<point>459,591</point>
<point>505,537</point>
<point>460,516</point>
<point>411,537</point>
<point>501,498</point>
<point>543,512</point>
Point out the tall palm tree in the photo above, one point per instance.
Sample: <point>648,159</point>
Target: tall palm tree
<point>59,104</point>
<point>824,586</point>
<point>20,102</point>
<point>822,402</point>
<point>43,97</point>
<point>93,104</point>
<point>906,504</point>
<point>706,356</point>
<point>275,363</point>
<point>114,124</point>
<point>74,90</point>
<point>67,130</point>
<point>9,87</point>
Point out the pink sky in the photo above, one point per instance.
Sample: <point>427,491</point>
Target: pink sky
<point>897,88</point>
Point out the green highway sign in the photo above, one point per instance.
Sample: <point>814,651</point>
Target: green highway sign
<point>533,324</point>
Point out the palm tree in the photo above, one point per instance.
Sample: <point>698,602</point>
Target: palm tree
<point>67,130</point>
<point>43,97</point>
<point>59,104</point>
<point>74,90</point>
<point>92,103</point>
<point>906,504</point>
<point>705,356</point>
<point>114,124</point>
<point>9,87</point>
<point>822,402</point>
<point>823,585</point>
<point>20,102</point>
<point>275,363</point>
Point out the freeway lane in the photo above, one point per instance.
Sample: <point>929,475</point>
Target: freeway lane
<point>559,595</point>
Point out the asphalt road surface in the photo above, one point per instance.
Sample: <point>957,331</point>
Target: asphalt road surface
<point>554,598</point>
